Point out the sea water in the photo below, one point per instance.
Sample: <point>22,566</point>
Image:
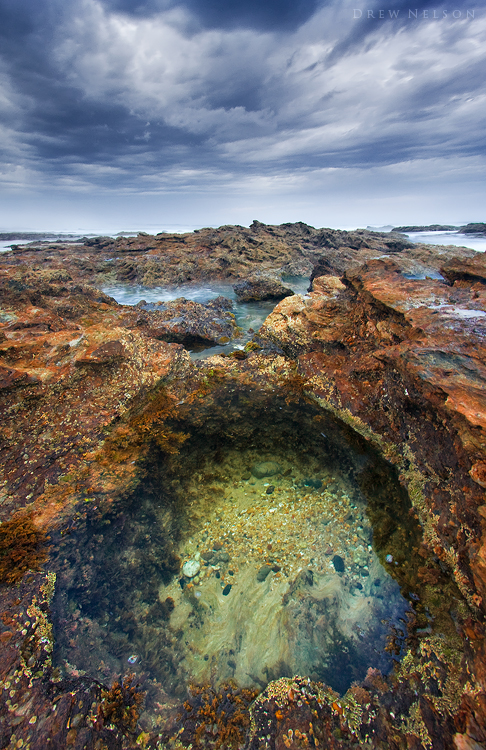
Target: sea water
<point>249,315</point>
<point>449,238</point>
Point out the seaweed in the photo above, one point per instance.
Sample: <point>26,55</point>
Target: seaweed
<point>22,547</point>
<point>216,718</point>
<point>149,424</point>
<point>120,705</point>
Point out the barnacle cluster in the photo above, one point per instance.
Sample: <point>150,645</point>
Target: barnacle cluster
<point>306,713</point>
<point>33,631</point>
<point>436,666</point>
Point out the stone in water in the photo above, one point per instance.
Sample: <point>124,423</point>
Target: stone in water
<point>191,568</point>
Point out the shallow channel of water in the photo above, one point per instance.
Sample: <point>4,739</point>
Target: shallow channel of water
<point>249,315</point>
<point>259,551</point>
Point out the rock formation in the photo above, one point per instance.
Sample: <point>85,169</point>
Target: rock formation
<point>89,389</point>
<point>227,253</point>
<point>257,288</point>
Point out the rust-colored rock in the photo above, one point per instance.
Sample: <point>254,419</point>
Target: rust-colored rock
<point>105,354</point>
<point>88,385</point>
<point>478,473</point>
<point>11,378</point>
<point>466,269</point>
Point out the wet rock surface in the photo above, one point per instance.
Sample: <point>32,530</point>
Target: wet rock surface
<point>189,323</point>
<point>265,469</point>
<point>90,390</point>
<point>255,289</point>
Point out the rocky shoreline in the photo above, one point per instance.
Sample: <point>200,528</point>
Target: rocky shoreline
<point>228,253</point>
<point>477,229</point>
<point>389,343</point>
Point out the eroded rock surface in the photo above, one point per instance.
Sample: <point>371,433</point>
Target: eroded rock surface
<point>88,388</point>
<point>255,289</point>
<point>375,325</point>
<point>227,253</point>
<point>83,359</point>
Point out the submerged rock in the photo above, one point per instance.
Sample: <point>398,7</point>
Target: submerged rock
<point>266,469</point>
<point>316,484</point>
<point>191,568</point>
<point>189,323</point>
<point>338,563</point>
<point>263,573</point>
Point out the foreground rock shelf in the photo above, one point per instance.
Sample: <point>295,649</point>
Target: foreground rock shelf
<point>100,414</point>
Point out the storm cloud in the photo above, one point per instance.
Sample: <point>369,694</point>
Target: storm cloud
<point>121,95</point>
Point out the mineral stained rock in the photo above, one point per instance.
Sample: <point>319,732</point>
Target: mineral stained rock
<point>254,289</point>
<point>87,387</point>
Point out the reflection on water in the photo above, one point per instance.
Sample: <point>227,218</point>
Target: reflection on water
<point>249,556</point>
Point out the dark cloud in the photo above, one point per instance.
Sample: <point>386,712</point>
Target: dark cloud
<point>271,15</point>
<point>228,93</point>
<point>55,119</point>
<point>99,132</point>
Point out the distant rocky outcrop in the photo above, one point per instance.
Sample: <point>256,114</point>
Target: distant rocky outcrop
<point>33,236</point>
<point>228,253</point>
<point>428,228</point>
<point>479,229</point>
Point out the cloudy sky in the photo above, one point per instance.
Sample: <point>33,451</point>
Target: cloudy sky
<point>158,114</point>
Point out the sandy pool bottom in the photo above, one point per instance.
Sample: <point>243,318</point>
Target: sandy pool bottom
<point>279,577</point>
